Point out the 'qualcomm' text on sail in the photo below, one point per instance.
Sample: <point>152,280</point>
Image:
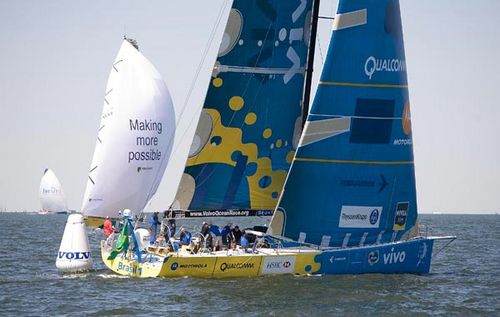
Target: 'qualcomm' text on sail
<point>373,65</point>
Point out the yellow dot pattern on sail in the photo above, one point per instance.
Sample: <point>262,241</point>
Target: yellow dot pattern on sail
<point>231,142</point>
<point>267,133</point>
<point>236,103</point>
<point>217,82</point>
<point>250,118</point>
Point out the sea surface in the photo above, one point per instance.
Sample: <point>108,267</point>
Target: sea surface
<point>464,280</point>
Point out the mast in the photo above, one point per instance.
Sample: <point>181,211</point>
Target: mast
<point>310,61</point>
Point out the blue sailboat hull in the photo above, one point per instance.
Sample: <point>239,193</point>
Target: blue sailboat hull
<point>412,256</point>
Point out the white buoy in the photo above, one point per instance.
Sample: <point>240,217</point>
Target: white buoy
<point>74,253</point>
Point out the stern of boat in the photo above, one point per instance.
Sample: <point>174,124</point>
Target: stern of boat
<point>412,256</point>
<point>124,265</point>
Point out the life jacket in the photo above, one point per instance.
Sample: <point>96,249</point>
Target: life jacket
<point>186,238</point>
<point>244,241</point>
<point>108,227</point>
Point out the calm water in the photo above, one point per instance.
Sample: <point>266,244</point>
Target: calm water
<point>465,280</point>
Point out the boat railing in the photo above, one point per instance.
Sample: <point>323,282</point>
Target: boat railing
<point>423,230</point>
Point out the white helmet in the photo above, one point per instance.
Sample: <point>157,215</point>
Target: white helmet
<point>126,212</point>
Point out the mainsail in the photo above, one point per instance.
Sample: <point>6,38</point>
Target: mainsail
<point>251,121</point>
<point>51,193</point>
<point>134,142</point>
<point>352,181</point>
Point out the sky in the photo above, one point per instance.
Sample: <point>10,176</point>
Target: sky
<point>55,58</point>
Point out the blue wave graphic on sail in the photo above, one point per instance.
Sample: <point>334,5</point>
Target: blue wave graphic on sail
<point>353,180</point>
<point>251,121</point>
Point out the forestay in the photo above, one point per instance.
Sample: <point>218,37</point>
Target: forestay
<point>251,121</point>
<point>352,181</point>
<point>134,142</point>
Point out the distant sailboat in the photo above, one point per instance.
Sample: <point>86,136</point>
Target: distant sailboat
<point>347,202</point>
<point>134,141</point>
<point>52,195</point>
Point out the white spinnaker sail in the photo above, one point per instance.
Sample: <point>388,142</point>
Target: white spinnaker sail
<point>51,193</point>
<point>134,141</point>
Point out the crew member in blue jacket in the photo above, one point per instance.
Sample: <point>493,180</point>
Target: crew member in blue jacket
<point>154,222</point>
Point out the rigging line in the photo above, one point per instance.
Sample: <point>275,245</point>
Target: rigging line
<point>336,161</point>
<point>247,85</point>
<point>204,55</point>
<point>210,40</point>
<point>445,246</point>
<point>198,70</point>
<point>339,116</point>
<point>320,51</point>
<point>349,84</point>
<point>195,79</point>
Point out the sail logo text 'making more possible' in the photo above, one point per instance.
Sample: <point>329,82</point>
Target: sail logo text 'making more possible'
<point>360,217</point>
<point>230,266</point>
<point>145,141</point>
<point>373,65</point>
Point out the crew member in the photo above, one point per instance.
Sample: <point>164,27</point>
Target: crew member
<point>216,237</point>
<point>119,223</point>
<point>237,234</point>
<point>185,237</point>
<point>154,222</point>
<point>226,235</point>
<point>108,227</point>
<point>244,241</point>
<point>171,223</point>
<point>205,228</point>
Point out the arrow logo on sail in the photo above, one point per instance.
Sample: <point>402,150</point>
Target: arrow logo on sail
<point>295,59</point>
<point>384,183</point>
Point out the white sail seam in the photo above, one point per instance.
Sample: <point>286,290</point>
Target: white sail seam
<point>328,133</point>
<point>350,19</point>
<point>257,70</point>
<point>354,117</point>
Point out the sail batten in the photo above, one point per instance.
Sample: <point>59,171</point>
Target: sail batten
<point>355,154</point>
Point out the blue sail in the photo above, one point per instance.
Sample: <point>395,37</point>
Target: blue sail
<point>352,181</point>
<point>251,121</point>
